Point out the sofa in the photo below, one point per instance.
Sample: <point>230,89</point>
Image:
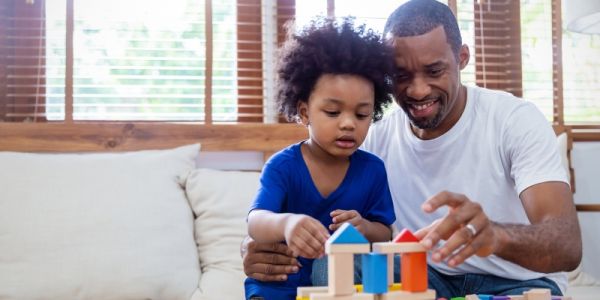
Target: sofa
<point>150,224</point>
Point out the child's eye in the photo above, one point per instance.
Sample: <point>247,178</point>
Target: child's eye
<point>331,113</point>
<point>362,116</point>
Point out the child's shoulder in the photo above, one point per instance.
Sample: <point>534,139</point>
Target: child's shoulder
<point>288,154</point>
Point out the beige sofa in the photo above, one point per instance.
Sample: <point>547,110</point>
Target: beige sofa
<point>135,225</point>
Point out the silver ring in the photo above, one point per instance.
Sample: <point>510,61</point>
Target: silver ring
<point>471,229</point>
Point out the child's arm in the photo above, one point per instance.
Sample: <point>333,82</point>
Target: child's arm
<point>304,235</point>
<point>373,231</point>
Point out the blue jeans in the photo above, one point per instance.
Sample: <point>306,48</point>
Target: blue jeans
<point>449,286</point>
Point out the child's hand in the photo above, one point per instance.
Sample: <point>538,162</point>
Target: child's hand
<point>305,236</point>
<point>338,217</point>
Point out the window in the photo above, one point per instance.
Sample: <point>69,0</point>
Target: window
<point>213,61</point>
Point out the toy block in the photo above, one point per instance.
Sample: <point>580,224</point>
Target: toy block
<point>341,274</point>
<point>346,297</point>
<point>485,297</point>
<point>500,298</point>
<point>472,297</point>
<point>305,291</point>
<point>395,287</point>
<point>347,248</point>
<point>404,295</point>
<point>457,298</point>
<point>347,234</point>
<point>537,294</point>
<point>374,273</point>
<point>516,297</point>
<point>388,247</point>
<point>405,236</point>
<point>413,272</point>
<point>390,268</point>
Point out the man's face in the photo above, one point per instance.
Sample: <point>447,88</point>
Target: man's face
<point>427,81</point>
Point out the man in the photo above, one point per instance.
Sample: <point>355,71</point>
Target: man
<point>476,170</point>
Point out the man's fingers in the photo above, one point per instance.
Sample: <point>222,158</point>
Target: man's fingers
<point>441,199</point>
<point>452,222</point>
<point>269,272</point>
<point>461,236</point>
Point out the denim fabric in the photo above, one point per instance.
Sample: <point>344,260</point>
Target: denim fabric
<point>449,286</point>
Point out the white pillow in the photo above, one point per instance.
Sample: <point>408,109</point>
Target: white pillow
<point>97,226</point>
<point>220,200</point>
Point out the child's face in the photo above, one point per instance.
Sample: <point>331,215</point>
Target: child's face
<point>338,113</point>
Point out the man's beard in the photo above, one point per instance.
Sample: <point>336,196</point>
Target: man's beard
<point>429,123</point>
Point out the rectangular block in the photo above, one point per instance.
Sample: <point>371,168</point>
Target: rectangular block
<point>305,291</point>
<point>340,274</point>
<point>347,248</point>
<point>347,297</point>
<point>389,247</point>
<point>374,273</point>
<point>403,295</point>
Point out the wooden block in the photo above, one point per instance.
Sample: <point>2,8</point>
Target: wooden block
<point>340,274</point>
<point>404,295</point>
<point>347,248</point>
<point>347,234</point>
<point>413,272</point>
<point>389,247</point>
<point>538,294</point>
<point>405,236</point>
<point>359,296</point>
<point>390,268</point>
<point>305,291</point>
<point>374,273</point>
<point>471,297</point>
<point>516,297</point>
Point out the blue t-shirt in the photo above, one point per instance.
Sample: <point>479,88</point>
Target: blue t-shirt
<point>286,187</point>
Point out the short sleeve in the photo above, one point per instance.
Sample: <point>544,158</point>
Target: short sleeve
<point>271,193</point>
<point>531,147</point>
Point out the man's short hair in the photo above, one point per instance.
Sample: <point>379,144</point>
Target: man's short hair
<point>417,17</point>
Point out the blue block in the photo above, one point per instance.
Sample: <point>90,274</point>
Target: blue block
<point>347,234</point>
<point>374,273</point>
<point>485,297</point>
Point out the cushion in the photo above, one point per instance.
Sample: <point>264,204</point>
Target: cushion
<point>220,200</point>
<point>97,226</point>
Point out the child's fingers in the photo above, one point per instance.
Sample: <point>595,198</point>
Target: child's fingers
<point>345,216</point>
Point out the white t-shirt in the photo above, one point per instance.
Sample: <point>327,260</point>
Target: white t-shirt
<point>500,146</point>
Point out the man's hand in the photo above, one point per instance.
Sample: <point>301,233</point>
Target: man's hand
<point>339,217</point>
<point>466,229</point>
<point>305,236</point>
<point>268,262</point>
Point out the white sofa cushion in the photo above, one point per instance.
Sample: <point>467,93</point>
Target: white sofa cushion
<point>97,226</point>
<point>220,200</point>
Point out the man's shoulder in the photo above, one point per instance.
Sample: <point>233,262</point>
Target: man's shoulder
<point>499,105</point>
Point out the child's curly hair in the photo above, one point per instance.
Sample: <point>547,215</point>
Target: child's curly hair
<point>326,46</point>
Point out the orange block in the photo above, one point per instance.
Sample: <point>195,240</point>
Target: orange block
<point>414,271</point>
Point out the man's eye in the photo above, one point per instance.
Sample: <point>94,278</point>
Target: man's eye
<point>401,76</point>
<point>436,72</point>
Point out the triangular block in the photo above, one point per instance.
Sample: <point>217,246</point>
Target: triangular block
<point>405,236</point>
<point>347,234</point>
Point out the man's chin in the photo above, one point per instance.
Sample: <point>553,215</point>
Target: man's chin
<point>422,123</point>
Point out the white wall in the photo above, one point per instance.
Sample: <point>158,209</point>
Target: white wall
<point>585,159</point>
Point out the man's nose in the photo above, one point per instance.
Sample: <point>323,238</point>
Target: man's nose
<point>418,88</point>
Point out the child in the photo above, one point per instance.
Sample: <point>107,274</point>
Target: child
<point>334,79</point>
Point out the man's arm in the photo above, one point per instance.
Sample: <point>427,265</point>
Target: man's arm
<point>551,243</point>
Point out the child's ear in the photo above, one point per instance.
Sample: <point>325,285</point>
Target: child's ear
<point>303,113</point>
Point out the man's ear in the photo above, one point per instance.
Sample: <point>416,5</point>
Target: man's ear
<point>463,56</point>
<point>303,112</point>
